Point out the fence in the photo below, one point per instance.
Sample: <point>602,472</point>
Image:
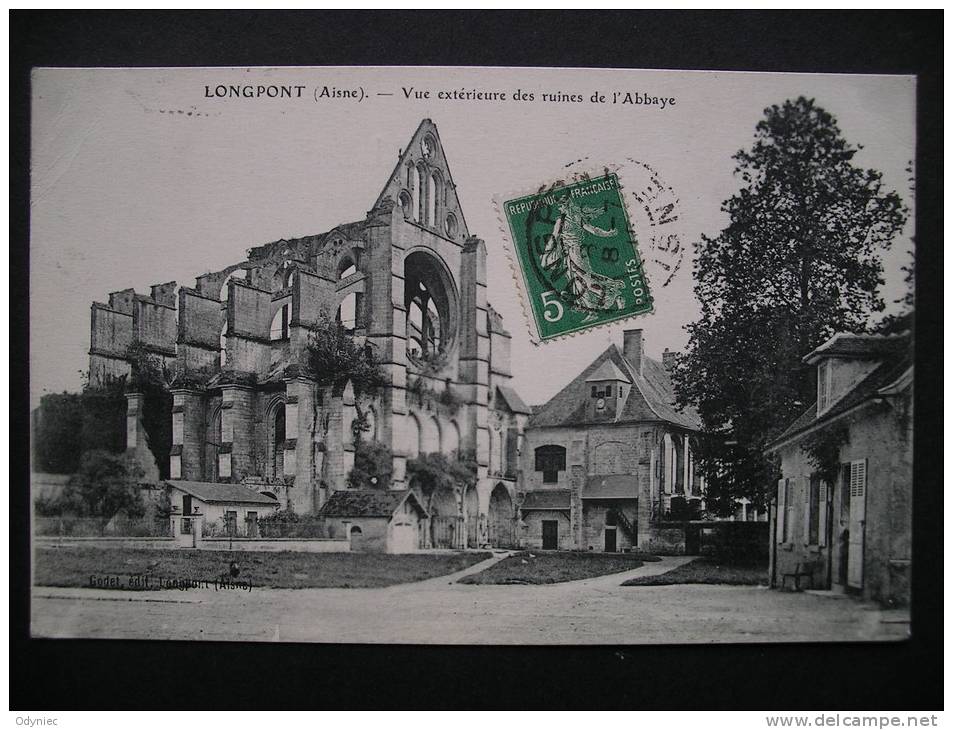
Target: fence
<point>266,529</point>
<point>67,526</point>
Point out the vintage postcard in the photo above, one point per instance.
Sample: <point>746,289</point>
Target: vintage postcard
<point>471,355</point>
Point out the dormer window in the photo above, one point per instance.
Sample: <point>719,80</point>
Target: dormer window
<point>824,381</point>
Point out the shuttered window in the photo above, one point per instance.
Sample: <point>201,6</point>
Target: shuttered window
<point>822,501</point>
<point>814,511</point>
<point>780,515</point>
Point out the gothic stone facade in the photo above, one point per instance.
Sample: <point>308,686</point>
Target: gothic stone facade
<point>607,457</point>
<point>409,280</point>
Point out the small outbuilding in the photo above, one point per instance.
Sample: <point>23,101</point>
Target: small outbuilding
<point>231,509</point>
<point>388,521</point>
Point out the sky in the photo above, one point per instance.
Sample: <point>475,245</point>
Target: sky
<point>138,177</point>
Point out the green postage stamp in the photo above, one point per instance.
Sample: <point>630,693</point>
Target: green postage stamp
<point>577,256</point>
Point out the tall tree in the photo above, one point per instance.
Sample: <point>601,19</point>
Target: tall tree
<point>798,261</point>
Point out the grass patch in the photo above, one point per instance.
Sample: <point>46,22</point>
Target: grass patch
<point>536,568</point>
<point>72,567</point>
<point>708,571</point>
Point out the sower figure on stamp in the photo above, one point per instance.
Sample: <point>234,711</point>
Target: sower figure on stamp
<point>566,252</point>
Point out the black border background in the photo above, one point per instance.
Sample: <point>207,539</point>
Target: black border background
<point>80,674</point>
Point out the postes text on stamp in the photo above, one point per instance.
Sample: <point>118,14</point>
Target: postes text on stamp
<point>577,256</point>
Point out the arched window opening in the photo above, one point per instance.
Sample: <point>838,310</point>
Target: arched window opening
<point>428,302</point>
<point>278,442</point>
<point>280,323</point>
<point>550,460</point>
<point>433,190</point>
<point>223,345</point>
<point>413,436</point>
<point>238,275</point>
<point>347,268</point>
<point>346,316</point>
<point>406,203</point>
<point>413,183</point>
<point>289,278</point>
<point>213,440</point>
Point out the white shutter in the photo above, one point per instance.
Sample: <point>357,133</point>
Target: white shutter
<point>806,522</point>
<point>822,514</point>
<point>858,514</point>
<point>781,509</point>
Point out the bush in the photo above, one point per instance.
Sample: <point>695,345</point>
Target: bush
<point>335,359</point>
<point>290,524</point>
<point>105,485</point>
<point>373,464</point>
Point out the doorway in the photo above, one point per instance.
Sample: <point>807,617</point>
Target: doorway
<point>550,535</point>
<point>610,540</point>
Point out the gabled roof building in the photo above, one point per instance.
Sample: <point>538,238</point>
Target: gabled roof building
<point>846,525</point>
<point>609,457</point>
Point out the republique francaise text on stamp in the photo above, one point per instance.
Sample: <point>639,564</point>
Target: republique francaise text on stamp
<point>577,256</point>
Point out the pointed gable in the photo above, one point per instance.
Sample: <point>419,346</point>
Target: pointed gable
<point>422,185</point>
<point>608,371</point>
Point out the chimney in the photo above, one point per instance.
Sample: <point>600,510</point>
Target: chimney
<point>632,346</point>
<point>668,359</point>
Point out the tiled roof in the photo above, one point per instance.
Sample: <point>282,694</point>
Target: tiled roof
<point>607,371</point>
<point>541,499</point>
<point>651,397</point>
<point>612,486</point>
<point>512,399</point>
<point>893,368</point>
<point>214,492</point>
<point>849,345</point>
<point>367,503</point>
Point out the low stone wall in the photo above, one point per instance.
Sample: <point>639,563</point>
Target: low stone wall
<point>145,543</point>
<point>246,544</point>
<point>668,540</point>
<point>273,545</point>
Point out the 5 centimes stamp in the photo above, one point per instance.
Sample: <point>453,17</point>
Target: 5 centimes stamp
<point>577,256</point>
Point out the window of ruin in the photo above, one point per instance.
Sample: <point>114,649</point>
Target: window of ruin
<point>277,441</point>
<point>213,440</point>
<point>429,299</point>
<point>433,191</point>
<point>346,315</point>
<point>238,275</point>
<point>406,203</point>
<point>280,323</point>
<point>222,345</point>
<point>413,184</point>
<point>346,268</point>
<point>550,460</point>
<point>450,225</point>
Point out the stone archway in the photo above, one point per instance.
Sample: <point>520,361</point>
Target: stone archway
<point>446,525</point>
<point>471,514</point>
<point>500,518</point>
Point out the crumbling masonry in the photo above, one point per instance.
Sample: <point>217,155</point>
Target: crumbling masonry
<point>409,281</point>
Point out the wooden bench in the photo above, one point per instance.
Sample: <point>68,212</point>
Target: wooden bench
<point>802,570</point>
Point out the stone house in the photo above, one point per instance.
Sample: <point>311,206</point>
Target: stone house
<point>385,521</point>
<point>408,281</point>
<point>605,459</point>
<point>227,509</point>
<point>847,523</point>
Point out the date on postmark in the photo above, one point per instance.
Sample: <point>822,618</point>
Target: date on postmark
<point>577,256</point>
